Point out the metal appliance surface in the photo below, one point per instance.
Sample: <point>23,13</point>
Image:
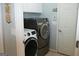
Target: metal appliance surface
<point>43,36</point>
<point>30,42</point>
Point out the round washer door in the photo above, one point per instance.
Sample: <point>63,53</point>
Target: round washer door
<point>31,47</point>
<point>44,31</point>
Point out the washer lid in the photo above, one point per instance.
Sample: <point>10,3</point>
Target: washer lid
<point>44,31</point>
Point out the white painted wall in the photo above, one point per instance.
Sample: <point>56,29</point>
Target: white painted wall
<point>1,32</point>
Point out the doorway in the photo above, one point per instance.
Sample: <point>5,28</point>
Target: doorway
<point>66,28</point>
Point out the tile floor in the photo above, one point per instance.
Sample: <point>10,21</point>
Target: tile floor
<point>51,53</point>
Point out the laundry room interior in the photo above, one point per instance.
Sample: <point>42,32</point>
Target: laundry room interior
<point>49,11</point>
<point>39,29</point>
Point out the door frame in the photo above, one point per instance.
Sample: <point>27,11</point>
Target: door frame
<point>77,34</point>
<point>1,30</point>
<point>19,29</point>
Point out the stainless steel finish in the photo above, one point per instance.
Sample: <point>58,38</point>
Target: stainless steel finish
<point>43,36</point>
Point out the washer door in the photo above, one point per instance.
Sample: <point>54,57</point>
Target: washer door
<point>31,47</point>
<point>44,31</point>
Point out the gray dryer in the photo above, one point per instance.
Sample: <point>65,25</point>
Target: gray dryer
<point>43,36</point>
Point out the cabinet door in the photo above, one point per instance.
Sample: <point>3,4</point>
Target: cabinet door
<point>32,7</point>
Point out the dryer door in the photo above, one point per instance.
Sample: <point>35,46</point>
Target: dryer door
<point>44,31</point>
<point>31,47</point>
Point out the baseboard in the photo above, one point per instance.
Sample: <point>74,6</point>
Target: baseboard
<point>53,50</point>
<point>2,54</point>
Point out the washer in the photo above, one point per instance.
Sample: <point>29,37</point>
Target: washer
<point>30,42</point>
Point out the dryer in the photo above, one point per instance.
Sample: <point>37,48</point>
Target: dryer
<point>43,36</point>
<point>30,42</point>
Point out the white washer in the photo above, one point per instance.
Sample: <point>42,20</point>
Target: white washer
<point>30,42</point>
<point>29,33</point>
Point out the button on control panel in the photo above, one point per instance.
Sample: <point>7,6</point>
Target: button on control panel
<point>33,32</point>
<point>28,34</point>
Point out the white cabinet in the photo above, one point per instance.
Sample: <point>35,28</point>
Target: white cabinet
<point>32,7</point>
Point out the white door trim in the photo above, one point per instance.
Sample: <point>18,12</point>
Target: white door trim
<point>18,13</point>
<point>1,32</point>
